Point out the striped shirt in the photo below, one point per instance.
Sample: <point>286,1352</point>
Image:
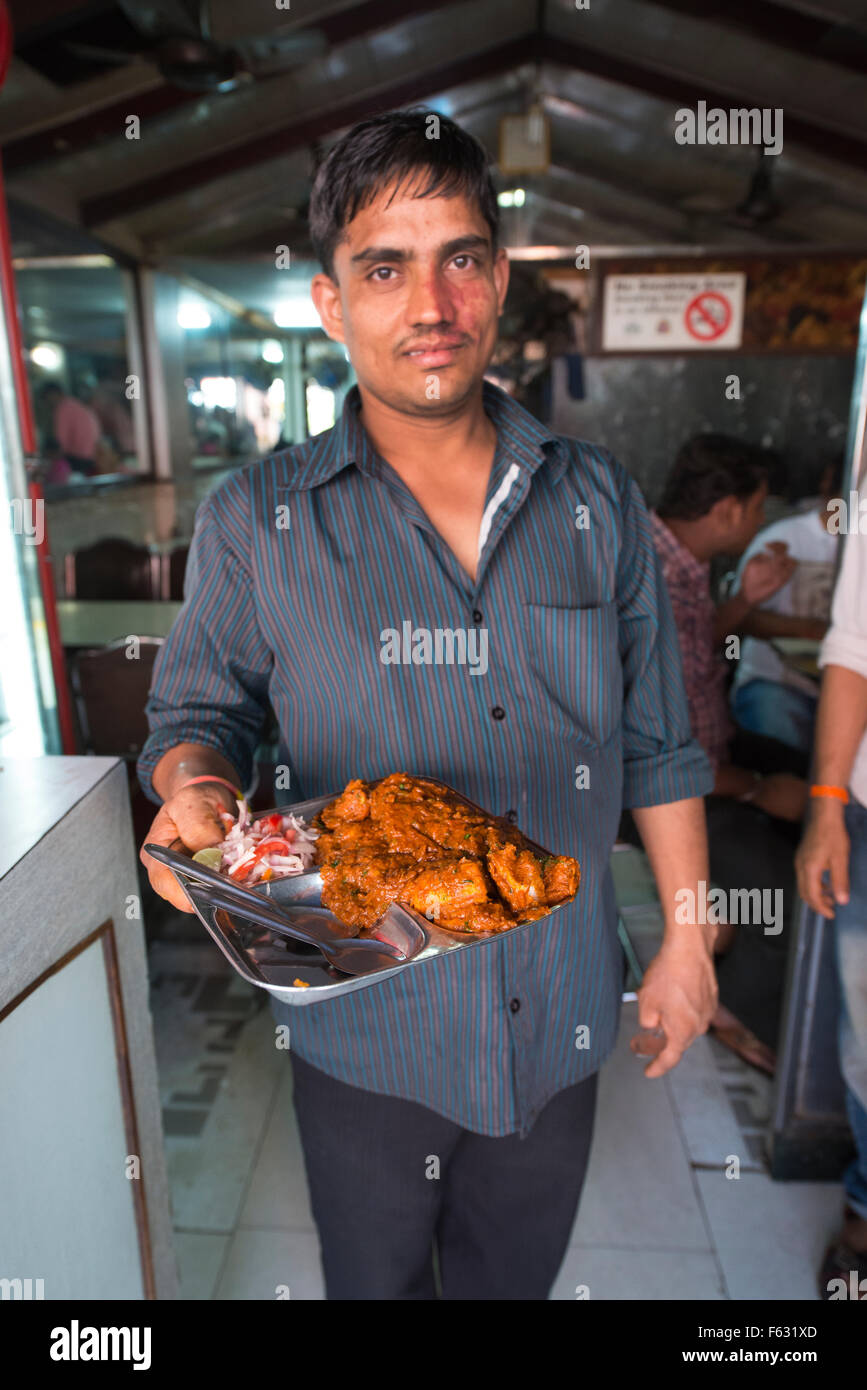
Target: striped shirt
<point>317,580</point>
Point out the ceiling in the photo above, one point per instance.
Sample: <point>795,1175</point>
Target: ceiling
<point>224,176</point>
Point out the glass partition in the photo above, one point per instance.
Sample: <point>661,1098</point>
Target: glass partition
<point>81,347</point>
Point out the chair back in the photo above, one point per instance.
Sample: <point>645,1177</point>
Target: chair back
<point>113,568</point>
<point>177,570</point>
<point>111,689</point>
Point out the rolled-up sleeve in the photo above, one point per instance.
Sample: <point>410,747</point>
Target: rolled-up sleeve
<point>211,676</point>
<point>845,642</point>
<point>662,762</point>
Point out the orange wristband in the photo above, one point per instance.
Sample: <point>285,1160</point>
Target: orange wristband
<point>839,793</point>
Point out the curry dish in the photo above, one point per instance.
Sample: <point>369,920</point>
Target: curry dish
<point>409,840</point>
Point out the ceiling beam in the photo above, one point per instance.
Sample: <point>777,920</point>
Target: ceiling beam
<point>272,144</point>
<point>68,137</point>
<point>531,48</point>
<point>785,28</point>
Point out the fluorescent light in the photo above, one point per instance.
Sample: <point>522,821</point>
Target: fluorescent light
<point>46,355</point>
<point>297,313</point>
<point>219,392</point>
<point>511,198</point>
<point>193,316</point>
<point>272,351</point>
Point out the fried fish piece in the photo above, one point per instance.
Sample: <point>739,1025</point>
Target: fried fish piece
<point>562,877</point>
<point>353,804</point>
<point>447,889</point>
<point>518,876</point>
<point>481,919</point>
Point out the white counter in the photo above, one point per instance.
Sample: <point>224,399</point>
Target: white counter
<point>85,1205</point>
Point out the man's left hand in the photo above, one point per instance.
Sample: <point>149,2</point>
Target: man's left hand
<point>678,995</point>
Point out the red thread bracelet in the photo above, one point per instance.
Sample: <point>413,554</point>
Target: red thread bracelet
<point>238,795</point>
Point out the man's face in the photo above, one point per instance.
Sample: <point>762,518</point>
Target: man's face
<point>417,297</point>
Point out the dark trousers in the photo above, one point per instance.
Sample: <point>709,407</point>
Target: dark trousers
<point>498,1214</point>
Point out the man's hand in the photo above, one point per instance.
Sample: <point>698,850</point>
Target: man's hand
<point>767,572</point>
<point>678,995</point>
<point>782,795</point>
<point>191,818</point>
<point>825,847</point>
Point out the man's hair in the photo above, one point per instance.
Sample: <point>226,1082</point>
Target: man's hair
<point>400,148</point>
<point>707,468</point>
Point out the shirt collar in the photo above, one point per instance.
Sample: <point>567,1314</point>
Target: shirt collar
<point>526,440</point>
<point>675,553</point>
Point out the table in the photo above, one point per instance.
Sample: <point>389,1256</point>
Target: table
<point>96,622</point>
<point>801,654</point>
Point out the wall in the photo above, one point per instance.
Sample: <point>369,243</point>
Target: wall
<point>643,407</point>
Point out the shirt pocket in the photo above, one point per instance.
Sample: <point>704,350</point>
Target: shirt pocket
<point>574,657</point>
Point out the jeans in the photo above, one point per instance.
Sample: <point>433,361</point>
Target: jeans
<point>777,711</point>
<point>851,951</point>
<point>389,1179</point>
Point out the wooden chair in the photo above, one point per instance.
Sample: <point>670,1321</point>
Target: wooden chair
<point>112,568</point>
<point>111,690</point>
<point>177,565</point>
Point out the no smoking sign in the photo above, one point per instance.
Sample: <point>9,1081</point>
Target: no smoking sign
<point>682,311</point>
<point>708,316</point>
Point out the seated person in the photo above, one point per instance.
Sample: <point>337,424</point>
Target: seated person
<point>712,505</point>
<point>769,696</point>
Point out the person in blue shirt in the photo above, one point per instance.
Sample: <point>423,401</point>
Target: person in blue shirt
<point>450,1106</point>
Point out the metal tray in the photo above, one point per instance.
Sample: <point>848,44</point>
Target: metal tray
<point>269,961</point>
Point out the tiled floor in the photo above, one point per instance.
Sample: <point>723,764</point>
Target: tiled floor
<point>661,1216</point>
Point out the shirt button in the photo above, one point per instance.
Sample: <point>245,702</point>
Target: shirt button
<point>514,1005</point>
<point>498,712</point>
<point>477,617</point>
<point>512,816</point>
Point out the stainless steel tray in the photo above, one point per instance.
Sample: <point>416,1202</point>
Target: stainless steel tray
<point>272,963</point>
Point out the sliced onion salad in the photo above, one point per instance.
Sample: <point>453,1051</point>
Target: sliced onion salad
<point>257,851</point>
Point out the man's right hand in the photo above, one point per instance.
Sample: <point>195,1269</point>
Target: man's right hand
<point>767,572</point>
<point>824,849</point>
<point>189,820</point>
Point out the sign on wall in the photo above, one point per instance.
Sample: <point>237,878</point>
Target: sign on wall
<point>672,312</point>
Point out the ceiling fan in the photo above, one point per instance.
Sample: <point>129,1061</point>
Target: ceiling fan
<point>177,40</point>
<point>759,206</point>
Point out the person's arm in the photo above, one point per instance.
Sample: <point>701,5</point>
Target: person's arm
<point>209,692</point>
<point>730,617</point>
<point>665,775</point>
<point>763,574</point>
<point>840,726</point>
<point>679,990</point>
<point>762,623</point>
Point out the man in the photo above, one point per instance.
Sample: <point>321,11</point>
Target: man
<point>769,696</point>
<point>74,427</point>
<point>834,848</point>
<point>712,505</point>
<point>438,500</point>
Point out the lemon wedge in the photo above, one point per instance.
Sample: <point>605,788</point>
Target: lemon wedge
<point>211,857</point>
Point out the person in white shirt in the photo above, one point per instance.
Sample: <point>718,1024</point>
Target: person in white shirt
<point>768,696</point>
<point>831,865</point>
